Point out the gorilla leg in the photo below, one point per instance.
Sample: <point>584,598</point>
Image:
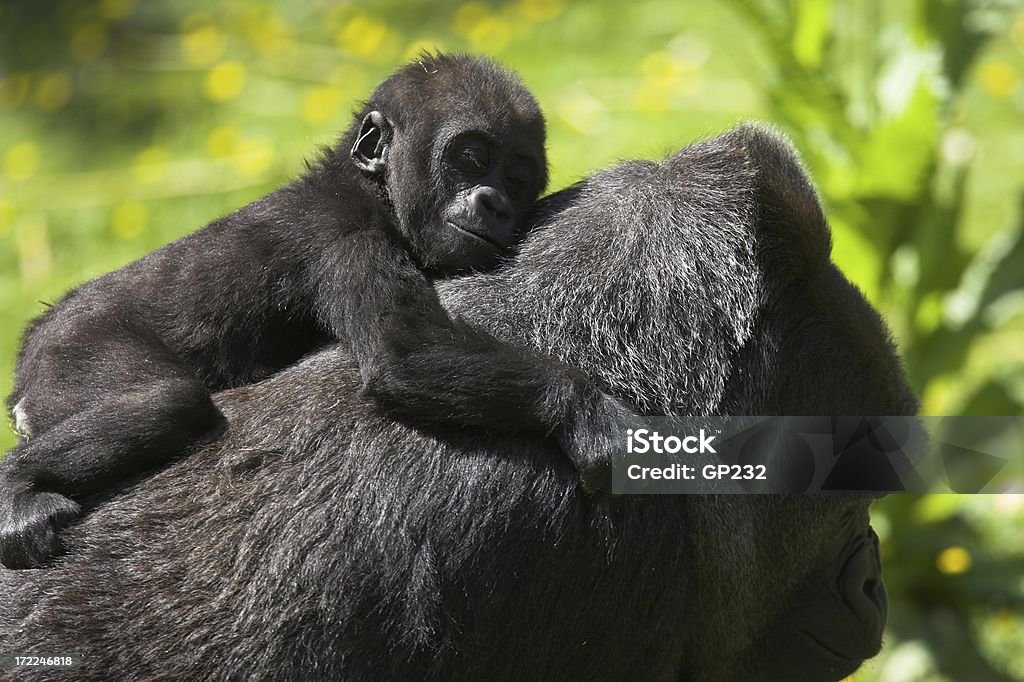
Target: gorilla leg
<point>142,406</point>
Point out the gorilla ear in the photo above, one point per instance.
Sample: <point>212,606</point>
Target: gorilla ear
<point>369,153</point>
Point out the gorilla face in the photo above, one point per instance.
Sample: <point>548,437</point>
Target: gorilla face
<point>459,143</point>
<point>318,534</point>
<point>806,603</point>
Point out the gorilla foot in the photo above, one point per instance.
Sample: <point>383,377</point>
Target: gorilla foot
<point>30,525</point>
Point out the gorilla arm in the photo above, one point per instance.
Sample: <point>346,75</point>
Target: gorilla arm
<point>421,364</point>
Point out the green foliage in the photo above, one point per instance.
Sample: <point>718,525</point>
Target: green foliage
<point>125,124</point>
<point>908,114</point>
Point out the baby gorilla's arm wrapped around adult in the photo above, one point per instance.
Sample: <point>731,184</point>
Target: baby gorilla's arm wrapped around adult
<point>420,364</point>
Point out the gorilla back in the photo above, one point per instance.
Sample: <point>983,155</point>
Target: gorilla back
<point>318,539</point>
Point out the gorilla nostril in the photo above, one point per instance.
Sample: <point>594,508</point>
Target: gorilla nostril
<point>874,590</point>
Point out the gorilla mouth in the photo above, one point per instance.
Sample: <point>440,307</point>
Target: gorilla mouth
<point>825,648</point>
<point>487,239</point>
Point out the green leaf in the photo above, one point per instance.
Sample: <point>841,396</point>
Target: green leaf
<point>811,30</point>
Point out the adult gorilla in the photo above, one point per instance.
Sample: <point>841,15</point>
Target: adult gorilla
<point>319,539</point>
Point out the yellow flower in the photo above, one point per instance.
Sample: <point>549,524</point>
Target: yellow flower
<point>225,81</point>
<point>484,31</point>
<point>203,44</point>
<point>367,37</point>
<point>661,68</point>
<point>998,79</point>
<point>222,141</point>
<point>255,156</point>
<point>14,89</point>
<point>1005,621</point>
<point>651,98</point>
<point>117,9</point>
<point>491,34</point>
<point>321,104</point>
<point>21,161</point>
<point>954,561</point>
<point>540,10</point>
<point>151,164</point>
<point>270,34</point>
<point>88,42</point>
<point>1017,32</point>
<point>53,92</point>
<point>468,16</point>
<point>665,76</point>
<point>129,220</point>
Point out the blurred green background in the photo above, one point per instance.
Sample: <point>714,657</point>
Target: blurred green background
<point>125,124</point>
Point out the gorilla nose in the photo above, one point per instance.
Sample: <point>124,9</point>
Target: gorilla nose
<point>489,201</point>
<point>495,211</point>
<point>838,624</point>
<point>861,586</point>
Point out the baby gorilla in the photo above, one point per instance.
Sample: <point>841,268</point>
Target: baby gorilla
<point>432,179</point>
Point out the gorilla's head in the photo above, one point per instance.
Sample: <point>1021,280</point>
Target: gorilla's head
<point>703,285</point>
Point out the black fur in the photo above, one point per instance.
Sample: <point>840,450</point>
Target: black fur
<point>318,539</point>
<point>433,178</point>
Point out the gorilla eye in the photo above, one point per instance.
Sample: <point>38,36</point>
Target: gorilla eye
<point>471,156</point>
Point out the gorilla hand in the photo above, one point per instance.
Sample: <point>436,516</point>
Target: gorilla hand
<point>592,436</point>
